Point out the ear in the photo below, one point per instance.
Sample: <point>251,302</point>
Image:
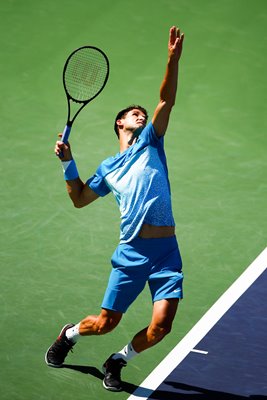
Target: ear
<point>119,123</point>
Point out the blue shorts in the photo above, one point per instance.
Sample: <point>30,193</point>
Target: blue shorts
<point>156,261</point>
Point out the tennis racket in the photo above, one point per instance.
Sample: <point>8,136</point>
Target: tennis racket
<point>85,75</point>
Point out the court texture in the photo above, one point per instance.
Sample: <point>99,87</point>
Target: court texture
<point>55,260</point>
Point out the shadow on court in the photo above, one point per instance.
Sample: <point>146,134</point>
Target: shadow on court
<point>181,391</point>
<point>127,387</point>
<point>178,391</point>
<point>85,370</point>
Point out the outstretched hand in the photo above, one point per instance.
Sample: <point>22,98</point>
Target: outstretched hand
<point>175,44</point>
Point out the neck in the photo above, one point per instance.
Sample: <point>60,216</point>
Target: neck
<point>126,142</point>
<point>128,138</point>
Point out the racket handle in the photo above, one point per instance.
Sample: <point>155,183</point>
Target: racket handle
<point>66,134</point>
<point>65,137</point>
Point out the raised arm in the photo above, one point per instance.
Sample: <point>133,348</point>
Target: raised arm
<point>169,84</point>
<point>80,193</point>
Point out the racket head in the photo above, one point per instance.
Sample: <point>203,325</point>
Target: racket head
<point>85,74</point>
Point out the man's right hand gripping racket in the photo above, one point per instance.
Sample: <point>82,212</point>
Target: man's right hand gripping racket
<point>85,75</point>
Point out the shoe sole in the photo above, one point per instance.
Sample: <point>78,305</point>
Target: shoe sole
<point>50,364</point>
<point>46,360</point>
<point>111,388</point>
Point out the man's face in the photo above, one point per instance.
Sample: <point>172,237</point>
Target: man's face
<point>134,119</point>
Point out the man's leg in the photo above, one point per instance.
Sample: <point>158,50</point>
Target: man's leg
<point>100,324</point>
<point>163,315</point>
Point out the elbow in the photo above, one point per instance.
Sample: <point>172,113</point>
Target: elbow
<point>170,103</point>
<point>78,204</point>
<point>167,103</point>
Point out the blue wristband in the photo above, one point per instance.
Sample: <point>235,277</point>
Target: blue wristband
<point>70,170</point>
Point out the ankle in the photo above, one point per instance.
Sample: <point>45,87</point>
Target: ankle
<point>73,334</point>
<point>127,353</point>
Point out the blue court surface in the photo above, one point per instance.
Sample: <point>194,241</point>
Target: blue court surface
<point>224,356</point>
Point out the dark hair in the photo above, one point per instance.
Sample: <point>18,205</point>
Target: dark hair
<point>123,112</point>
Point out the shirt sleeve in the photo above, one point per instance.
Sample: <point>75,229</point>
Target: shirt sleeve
<point>97,183</point>
<point>150,136</point>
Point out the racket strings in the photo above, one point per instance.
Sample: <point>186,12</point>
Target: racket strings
<point>85,74</point>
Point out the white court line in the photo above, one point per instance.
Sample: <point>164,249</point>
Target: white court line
<point>199,351</point>
<point>202,327</point>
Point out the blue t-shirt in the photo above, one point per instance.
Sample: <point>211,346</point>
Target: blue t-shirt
<point>138,178</point>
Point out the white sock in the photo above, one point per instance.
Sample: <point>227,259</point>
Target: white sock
<point>127,353</point>
<point>73,333</point>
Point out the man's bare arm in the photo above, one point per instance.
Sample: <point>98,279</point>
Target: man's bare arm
<point>169,84</point>
<point>80,193</point>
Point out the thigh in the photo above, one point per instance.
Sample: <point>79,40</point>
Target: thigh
<point>166,276</point>
<point>128,277</point>
<point>123,288</point>
<point>166,286</point>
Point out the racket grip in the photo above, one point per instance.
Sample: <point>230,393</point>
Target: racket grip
<point>65,137</point>
<point>66,134</point>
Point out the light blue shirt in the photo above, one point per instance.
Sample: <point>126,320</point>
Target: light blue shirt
<point>138,178</point>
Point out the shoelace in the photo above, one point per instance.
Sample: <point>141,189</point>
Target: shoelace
<point>63,344</point>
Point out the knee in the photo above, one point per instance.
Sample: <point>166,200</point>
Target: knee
<point>164,331</point>
<point>158,332</point>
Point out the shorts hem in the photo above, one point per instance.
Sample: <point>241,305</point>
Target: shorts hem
<point>113,309</point>
<point>179,296</point>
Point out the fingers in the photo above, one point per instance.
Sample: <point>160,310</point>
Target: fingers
<point>179,40</point>
<point>62,150</point>
<point>172,36</point>
<point>175,35</point>
<point>59,147</point>
<point>175,45</point>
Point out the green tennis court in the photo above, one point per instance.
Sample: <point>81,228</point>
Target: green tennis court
<point>55,260</point>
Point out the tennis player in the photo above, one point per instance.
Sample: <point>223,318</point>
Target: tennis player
<point>148,249</point>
